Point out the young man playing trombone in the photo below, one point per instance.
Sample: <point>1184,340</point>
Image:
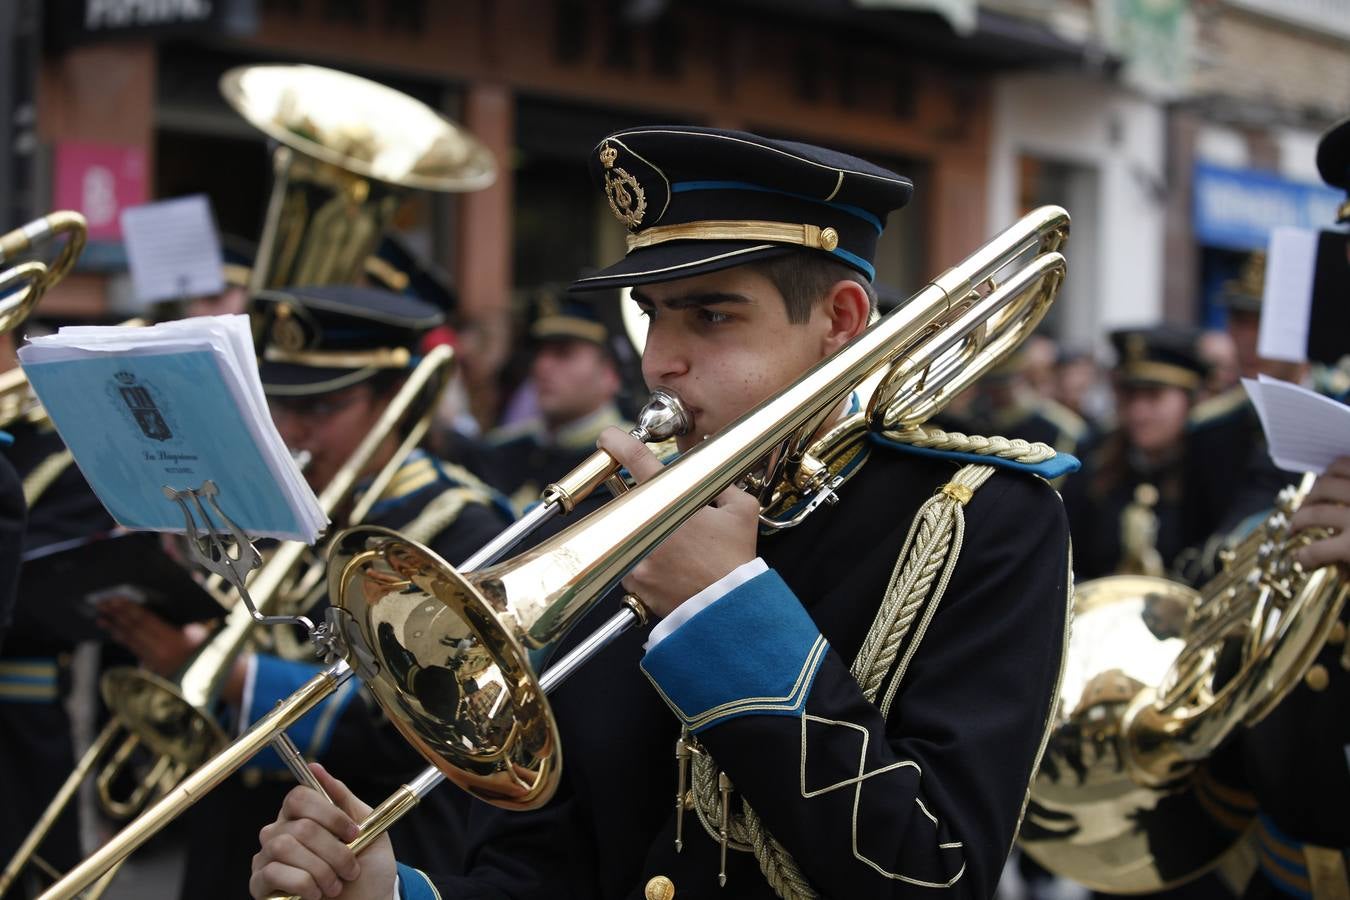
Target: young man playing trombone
<point>866,694</point>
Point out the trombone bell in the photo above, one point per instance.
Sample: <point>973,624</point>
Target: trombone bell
<point>432,644</point>
<point>156,711</point>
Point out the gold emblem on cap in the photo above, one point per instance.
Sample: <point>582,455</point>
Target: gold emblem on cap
<point>829,239</point>
<point>1136,347</point>
<point>287,332</point>
<point>626,197</point>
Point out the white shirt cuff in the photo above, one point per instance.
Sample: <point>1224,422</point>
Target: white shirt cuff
<point>246,699</point>
<point>704,598</point>
<point>397,887</point>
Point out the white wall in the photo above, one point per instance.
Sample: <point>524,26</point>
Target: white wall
<point>1115,249</point>
<point>1226,146</point>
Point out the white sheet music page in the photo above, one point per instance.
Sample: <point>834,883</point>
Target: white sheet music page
<point>1287,294</point>
<point>173,250</point>
<point>1305,431</point>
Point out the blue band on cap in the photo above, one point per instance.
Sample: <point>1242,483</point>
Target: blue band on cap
<point>856,211</point>
<point>858,261</point>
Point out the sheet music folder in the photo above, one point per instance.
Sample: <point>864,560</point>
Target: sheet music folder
<point>174,405</point>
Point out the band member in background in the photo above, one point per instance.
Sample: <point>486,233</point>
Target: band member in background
<point>575,378</point>
<point>332,359</point>
<point>36,743</point>
<point>917,776</point>
<point>1139,469</point>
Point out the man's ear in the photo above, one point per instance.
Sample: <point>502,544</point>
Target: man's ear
<point>846,308</point>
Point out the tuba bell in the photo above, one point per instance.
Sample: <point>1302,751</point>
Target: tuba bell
<point>1130,797</point>
<point>348,151</point>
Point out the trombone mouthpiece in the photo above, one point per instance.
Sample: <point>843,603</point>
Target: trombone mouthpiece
<point>663,417</point>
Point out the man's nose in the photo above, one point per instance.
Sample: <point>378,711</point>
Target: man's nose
<point>664,357</point>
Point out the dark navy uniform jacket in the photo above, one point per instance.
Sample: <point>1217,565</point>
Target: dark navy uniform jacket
<point>929,795</point>
<point>36,752</point>
<point>1097,496</point>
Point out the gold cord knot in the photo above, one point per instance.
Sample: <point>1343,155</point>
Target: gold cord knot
<point>958,492</point>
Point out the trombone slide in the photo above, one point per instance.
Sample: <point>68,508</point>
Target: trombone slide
<point>200,782</point>
<point>54,809</point>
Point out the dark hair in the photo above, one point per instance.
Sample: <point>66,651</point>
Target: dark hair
<point>803,277</point>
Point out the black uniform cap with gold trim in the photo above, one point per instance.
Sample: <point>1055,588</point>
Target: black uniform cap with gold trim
<point>560,316</point>
<point>1333,162</point>
<point>1243,294</point>
<point>312,340</point>
<point>1161,355</point>
<point>697,200</point>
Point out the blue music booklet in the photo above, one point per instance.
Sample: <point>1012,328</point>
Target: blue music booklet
<point>173,405</point>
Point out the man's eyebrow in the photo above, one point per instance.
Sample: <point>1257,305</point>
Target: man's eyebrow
<point>685,301</point>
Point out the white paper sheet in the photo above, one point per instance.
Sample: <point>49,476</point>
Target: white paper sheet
<point>1287,299</point>
<point>1305,431</point>
<point>172,249</point>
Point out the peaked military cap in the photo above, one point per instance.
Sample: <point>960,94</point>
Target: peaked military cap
<point>1161,355</point>
<point>237,255</point>
<point>312,340</point>
<point>395,266</point>
<point>696,200</point>
<point>1333,162</point>
<point>559,316</point>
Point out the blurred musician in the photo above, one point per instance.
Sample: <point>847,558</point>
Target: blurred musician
<point>1138,470</point>
<point>331,359</point>
<point>575,379</point>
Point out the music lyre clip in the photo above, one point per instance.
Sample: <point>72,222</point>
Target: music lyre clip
<point>221,547</point>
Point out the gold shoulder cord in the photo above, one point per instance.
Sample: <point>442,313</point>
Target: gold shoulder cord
<point>44,475</point>
<point>917,584</point>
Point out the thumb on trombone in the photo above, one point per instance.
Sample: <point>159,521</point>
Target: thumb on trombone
<point>304,852</point>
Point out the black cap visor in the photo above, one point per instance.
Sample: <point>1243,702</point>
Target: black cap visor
<point>291,380</point>
<point>679,259</point>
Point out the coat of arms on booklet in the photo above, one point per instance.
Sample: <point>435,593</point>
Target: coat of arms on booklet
<point>170,408</point>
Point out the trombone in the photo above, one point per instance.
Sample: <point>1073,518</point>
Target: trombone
<point>40,276</point>
<point>486,725</point>
<point>175,718</point>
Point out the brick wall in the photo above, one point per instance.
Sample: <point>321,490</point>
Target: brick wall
<point>1300,74</point>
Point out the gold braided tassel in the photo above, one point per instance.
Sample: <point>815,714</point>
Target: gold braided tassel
<point>933,438</point>
<point>929,555</point>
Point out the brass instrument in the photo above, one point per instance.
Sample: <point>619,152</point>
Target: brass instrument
<point>37,277</point>
<point>348,150</point>
<point>175,719</point>
<point>489,728</point>
<point>477,711</point>
<point>40,276</point>
<point>1139,535</point>
<point>1124,801</point>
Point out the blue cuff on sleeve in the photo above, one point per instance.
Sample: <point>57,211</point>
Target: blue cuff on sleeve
<point>275,679</point>
<point>413,884</point>
<point>754,651</point>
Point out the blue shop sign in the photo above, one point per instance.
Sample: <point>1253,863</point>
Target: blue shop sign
<point>1236,209</point>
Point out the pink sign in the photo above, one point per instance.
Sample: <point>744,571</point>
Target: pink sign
<point>100,180</point>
